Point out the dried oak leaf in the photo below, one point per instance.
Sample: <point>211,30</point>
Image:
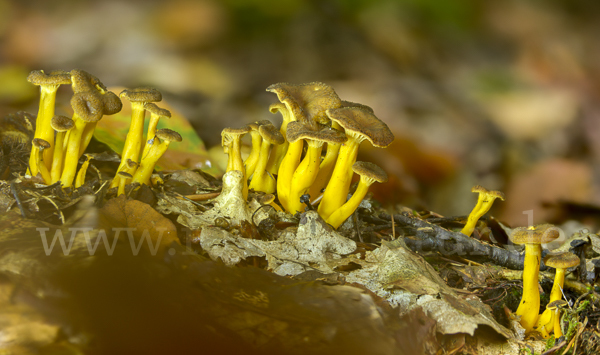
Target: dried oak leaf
<point>138,222</point>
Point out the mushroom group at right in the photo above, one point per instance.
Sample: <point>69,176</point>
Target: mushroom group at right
<point>532,237</point>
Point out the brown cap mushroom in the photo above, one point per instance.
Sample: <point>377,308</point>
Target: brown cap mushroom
<point>141,94</point>
<point>54,78</point>
<point>307,102</point>
<point>38,149</point>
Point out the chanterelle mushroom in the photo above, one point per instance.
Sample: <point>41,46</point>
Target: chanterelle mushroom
<point>369,174</point>
<point>49,84</point>
<point>533,237</point>
<point>156,114</point>
<point>133,142</point>
<point>88,107</point>
<point>359,125</point>
<point>230,138</point>
<point>484,203</point>
<point>262,180</point>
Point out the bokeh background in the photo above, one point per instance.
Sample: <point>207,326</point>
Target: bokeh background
<point>503,94</point>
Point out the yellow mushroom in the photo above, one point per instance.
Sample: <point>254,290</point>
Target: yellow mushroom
<point>262,180</point>
<point>307,104</point>
<point>80,179</point>
<point>135,136</point>
<point>231,138</point>
<point>156,113</point>
<point>160,144</point>
<point>126,175</point>
<point>369,174</point>
<point>359,124</point>
<point>277,156</point>
<point>39,145</point>
<point>61,125</point>
<point>88,108</point>
<point>561,262</point>
<point>532,237</point>
<point>252,160</point>
<point>49,84</point>
<point>484,203</point>
<point>307,169</point>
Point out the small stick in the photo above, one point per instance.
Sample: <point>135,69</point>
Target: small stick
<point>202,197</point>
<point>393,227</point>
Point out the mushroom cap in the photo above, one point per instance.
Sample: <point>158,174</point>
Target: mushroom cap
<point>296,130</point>
<point>84,81</point>
<point>561,260</point>
<point>131,164</point>
<point>61,123</point>
<point>271,134</point>
<point>157,111</point>
<point>255,125</point>
<point>229,133</point>
<point>538,234</point>
<point>40,143</point>
<point>307,102</point>
<point>356,104</point>
<point>370,171</point>
<point>492,193</point>
<point>112,103</point>
<point>265,199</point>
<point>361,122</point>
<point>141,94</point>
<point>57,77</point>
<point>170,135</point>
<point>88,105</point>
<point>278,106</point>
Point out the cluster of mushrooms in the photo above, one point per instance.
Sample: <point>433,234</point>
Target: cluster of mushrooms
<point>532,237</point>
<point>59,142</point>
<point>311,158</point>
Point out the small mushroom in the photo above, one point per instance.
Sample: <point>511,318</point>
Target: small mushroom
<point>88,108</point>
<point>39,145</point>
<point>133,142</point>
<point>80,179</point>
<point>561,262</point>
<point>252,160</point>
<point>49,84</point>
<point>61,125</point>
<point>307,170</point>
<point>532,237</point>
<point>166,136</point>
<point>369,174</point>
<point>262,180</point>
<point>484,203</point>
<point>112,105</point>
<point>156,114</point>
<point>359,124</point>
<point>231,138</point>
<point>126,175</point>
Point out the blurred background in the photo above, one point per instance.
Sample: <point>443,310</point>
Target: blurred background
<point>503,94</point>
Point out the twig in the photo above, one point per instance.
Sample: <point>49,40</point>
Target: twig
<point>13,189</point>
<point>431,237</point>
<point>202,197</point>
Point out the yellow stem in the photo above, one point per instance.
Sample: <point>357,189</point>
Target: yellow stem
<point>304,176</point>
<point>341,214</point>
<point>143,173</point>
<point>72,152</point>
<point>325,170</point>
<point>134,139</point>
<point>337,189</point>
<point>286,171</point>
<point>80,179</point>
<point>58,157</point>
<point>43,129</point>
<point>530,302</point>
<point>86,137</point>
<point>253,158</point>
<point>262,180</point>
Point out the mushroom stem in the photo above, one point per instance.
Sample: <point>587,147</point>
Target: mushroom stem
<point>58,157</point>
<point>326,167</point>
<point>252,160</point>
<point>530,302</point>
<point>280,150</point>
<point>72,152</point>
<point>238,164</point>
<point>337,189</point>
<point>86,136</point>
<point>485,200</point>
<point>143,173</point>
<point>262,179</point>
<point>135,135</point>
<point>286,171</point>
<point>43,129</point>
<point>341,214</point>
<point>80,179</point>
<point>557,328</point>
<point>304,175</point>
